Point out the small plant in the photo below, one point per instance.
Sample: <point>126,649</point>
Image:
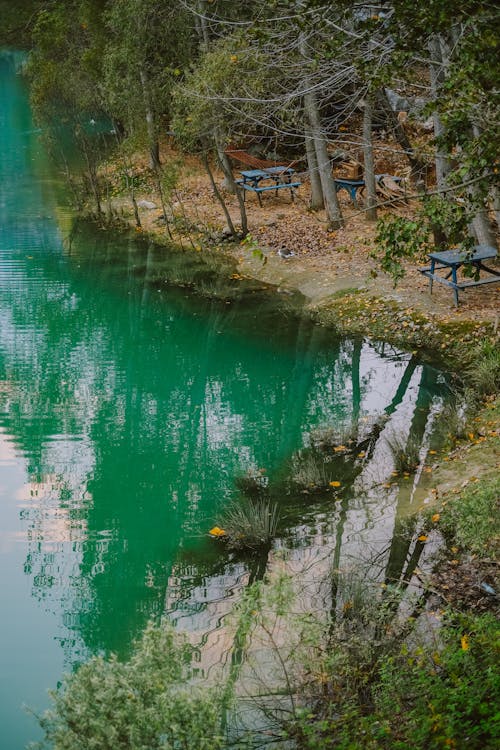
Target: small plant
<point>250,524</point>
<point>451,423</point>
<point>254,482</point>
<point>472,520</point>
<point>405,453</point>
<point>311,473</point>
<point>484,375</point>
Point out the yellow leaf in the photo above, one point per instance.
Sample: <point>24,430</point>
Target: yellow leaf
<point>234,58</point>
<point>217,531</point>
<point>335,484</point>
<point>435,518</point>
<point>464,640</point>
<point>339,448</point>
<point>433,453</point>
<point>422,538</point>
<point>362,454</point>
<point>470,435</point>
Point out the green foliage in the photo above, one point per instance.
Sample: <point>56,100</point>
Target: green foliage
<point>250,523</point>
<point>398,239</point>
<point>204,104</point>
<point>445,699</point>
<point>145,702</point>
<point>440,695</point>
<point>448,217</point>
<point>472,519</point>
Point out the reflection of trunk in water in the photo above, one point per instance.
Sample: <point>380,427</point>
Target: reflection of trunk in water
<point>401,540</point>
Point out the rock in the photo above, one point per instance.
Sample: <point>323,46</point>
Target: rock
<point>146,204</point>
<point>226,232</point>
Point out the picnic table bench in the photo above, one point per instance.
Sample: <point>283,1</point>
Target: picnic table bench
<point>453,260</point>
<point>353,186</point>
<point>281,178</point>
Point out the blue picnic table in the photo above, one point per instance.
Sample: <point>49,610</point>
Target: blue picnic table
<point>452,260</point>
<point>279,178</point>
<point>353,186</point>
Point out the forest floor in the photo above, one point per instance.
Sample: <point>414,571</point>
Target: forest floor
<point>323,263</point>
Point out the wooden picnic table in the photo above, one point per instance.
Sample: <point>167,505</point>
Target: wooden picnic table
<point>280,177</point>
<point>452,260</point>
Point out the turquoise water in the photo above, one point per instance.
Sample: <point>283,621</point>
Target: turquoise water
<point>129,406</point>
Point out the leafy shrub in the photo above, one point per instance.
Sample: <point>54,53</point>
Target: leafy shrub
<point>141,703</point>
<point>445,699</point>
<point>398,239</point>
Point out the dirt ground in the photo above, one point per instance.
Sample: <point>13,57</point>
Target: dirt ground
<point>322,262</point>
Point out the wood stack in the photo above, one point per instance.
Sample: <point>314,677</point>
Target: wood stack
<point>349,170</point>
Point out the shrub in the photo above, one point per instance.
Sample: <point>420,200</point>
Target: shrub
<point>141,703</point>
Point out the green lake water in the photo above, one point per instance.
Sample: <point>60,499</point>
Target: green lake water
<point>129,406</point>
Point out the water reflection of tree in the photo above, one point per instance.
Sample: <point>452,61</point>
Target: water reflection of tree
<point>165,427</point>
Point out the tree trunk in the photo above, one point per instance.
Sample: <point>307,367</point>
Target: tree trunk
<point>217,194</point>
<point>317,201</point>
<point>436,76</point>
<point>481,223</point>
<point>229,180</point>
<point>93,178</point>
<point>370,184</point>
<point>332,207</point>
<point>154,146</point>
<point>417,165</point>
<point>495,199</point>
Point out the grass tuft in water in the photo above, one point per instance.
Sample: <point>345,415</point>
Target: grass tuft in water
<point>405,453</point>
<point>310,472</point>
<point>250,524</point>
<point>253,482</point>
<point>484,374</point>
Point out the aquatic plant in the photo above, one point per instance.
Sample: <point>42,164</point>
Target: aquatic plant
<point>253,482</point>
<point>310,472</point>
<point>250,524</point>
<point>405,452</point>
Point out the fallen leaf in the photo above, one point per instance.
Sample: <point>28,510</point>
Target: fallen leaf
<point>217,531</point>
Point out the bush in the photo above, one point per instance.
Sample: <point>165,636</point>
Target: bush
<point>141,703</point>
<point>420,698</point>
